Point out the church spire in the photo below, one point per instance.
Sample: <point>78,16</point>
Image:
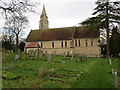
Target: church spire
<point>43,24</point>
<point>44,11</point>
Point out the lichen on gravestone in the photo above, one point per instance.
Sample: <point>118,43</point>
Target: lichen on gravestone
<point>43,71</point>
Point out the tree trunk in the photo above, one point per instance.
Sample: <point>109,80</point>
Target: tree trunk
<point>16,48</point>
<point>108,43</point>
<point>107,30</point>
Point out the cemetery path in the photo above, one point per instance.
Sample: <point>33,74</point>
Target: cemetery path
<point>98,71</point>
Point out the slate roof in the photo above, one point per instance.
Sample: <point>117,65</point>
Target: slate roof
<point>86,32</point>
<point>62,34</point>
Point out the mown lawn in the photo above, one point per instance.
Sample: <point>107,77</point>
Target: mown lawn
<point>90,73</point>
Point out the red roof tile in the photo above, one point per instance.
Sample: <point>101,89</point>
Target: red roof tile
<point>32,45</point>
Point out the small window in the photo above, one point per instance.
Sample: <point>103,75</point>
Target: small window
<point>52,44</point>
<point>65,43</point>
<point>62,44</point>
<point>75,42</point>
<point>79,42</point>
<point>86,43</point>
<point>41,44</point>
<point>91,43</point>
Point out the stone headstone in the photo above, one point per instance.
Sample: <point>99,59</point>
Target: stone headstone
<point>40,53</point>
<point>16,57</point>
<point>32,52</point>
<point>64,54</point>
<point>46,53</point>
<point>49,58</point>
<point>63,62</point>
<point>35,53</point>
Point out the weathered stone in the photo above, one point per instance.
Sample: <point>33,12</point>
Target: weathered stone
<point>43,71</point>
<point>49,58</point>
<point>17,57</point>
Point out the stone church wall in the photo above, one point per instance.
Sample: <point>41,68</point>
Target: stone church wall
<point>82,47</point>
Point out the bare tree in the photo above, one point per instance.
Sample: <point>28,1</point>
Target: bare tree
<point>17,24</point>
<point>17,7</point>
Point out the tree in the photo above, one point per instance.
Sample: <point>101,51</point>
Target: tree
<point>115,42</point>
<point>107,13</point>
<point>16,7</point>
<point>21,46</point>
<point>7,38</point>
<point>17,24</point>
<point>7,43</point>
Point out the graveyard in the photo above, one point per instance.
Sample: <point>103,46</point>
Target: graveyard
<point>54,71</point>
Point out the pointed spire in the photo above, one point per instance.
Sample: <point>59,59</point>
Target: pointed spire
<point>43,11</point>
<point>43,24</point>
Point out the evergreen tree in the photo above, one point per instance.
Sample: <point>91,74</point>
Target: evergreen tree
<point>21,46</point>
<point>115,42</point>
<point>107,13</point>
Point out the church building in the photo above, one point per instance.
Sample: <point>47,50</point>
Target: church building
<point>78,41</point>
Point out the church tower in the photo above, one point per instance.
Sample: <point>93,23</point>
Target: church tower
<point>43,24</point>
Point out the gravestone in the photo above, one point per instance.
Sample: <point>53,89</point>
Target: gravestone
<point>43,71</point>
<point>63,62</point>
<point>49,58</point>
<point>17,57</point>
<point>46,53</point>
<point>65,54</point>
<point>54,53</point>
<point>40,53</point>
<point>32,52</point>
<point>36,54</point>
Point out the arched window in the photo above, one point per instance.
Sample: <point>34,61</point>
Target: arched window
<point>41,44</point>
<point>79,42</point>
<point>52,44</point>
<point>76,43</point>
<point>65,43</point>
<point>86,43</point>
<point>62,44</point>
<point>91,43</point>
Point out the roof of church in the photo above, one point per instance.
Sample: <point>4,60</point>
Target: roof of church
<point>67,33</point>
<point>86,32</point>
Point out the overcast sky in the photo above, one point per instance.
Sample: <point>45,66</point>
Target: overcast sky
<point>61,13</point>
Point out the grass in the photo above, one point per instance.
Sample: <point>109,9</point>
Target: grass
<point>90,73</point>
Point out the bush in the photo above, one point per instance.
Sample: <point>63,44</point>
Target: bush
<point>9,76</point>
